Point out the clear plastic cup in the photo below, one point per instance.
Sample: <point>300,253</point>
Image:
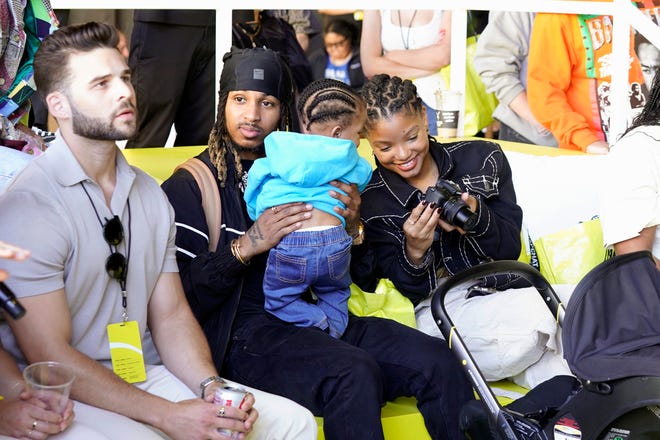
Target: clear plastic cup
<point>50,382</point>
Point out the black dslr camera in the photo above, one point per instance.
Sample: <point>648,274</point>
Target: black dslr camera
<point>447,196</point>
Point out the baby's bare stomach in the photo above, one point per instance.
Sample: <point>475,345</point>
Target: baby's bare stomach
<point>321,218</point>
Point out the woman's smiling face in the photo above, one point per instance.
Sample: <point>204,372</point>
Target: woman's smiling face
<point>401,144</point>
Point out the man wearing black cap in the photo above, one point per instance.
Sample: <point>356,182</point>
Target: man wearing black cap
<point>344,380</point>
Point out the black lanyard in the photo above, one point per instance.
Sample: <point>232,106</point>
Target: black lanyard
<point>122,278</point>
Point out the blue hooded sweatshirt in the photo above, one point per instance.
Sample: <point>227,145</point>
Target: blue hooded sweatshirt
<point>298,168</point>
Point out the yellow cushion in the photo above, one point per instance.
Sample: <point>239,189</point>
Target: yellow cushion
<point>401,419</point>
<point>160,162</point>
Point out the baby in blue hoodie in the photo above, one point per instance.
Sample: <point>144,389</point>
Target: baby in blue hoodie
<point>299,168</point>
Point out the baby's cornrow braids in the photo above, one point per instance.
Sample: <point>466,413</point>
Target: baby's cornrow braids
<point>328,100</point>
<point>387,95</point>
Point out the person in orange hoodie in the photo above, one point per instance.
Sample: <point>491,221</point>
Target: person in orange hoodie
<point>569,78</point>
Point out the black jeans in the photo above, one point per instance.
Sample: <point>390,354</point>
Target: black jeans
<point>186,99</point>
<point>347,380</point>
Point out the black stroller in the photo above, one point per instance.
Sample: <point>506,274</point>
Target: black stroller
<point>611,341</point>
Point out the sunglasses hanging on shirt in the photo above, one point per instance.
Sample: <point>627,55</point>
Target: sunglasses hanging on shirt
<point>116,265</point>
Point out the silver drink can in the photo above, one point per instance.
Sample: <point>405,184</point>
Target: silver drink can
<point>226,396</point>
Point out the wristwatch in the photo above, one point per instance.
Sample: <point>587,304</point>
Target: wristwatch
<point>208,381</point>
<point>358,237</point>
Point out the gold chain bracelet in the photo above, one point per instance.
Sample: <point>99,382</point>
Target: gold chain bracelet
<point>236,252</point>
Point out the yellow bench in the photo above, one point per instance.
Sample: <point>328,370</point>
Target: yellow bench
<point>401,419</point>
<point>160,162</point>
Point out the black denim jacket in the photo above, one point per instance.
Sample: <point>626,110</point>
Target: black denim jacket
<point>479,167</point>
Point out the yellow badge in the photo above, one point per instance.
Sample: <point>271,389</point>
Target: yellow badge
<point>126,351</point>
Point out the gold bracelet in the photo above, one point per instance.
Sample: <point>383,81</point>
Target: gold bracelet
<point>236,252</point>
<point>358,237</point>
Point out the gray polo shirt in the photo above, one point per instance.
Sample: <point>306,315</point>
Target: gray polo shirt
<point>46,210</point>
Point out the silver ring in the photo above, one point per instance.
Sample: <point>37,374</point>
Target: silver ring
<point>221,411</point>
<point>29,434</point>
<point>34,424</point>
<point>274,209</point>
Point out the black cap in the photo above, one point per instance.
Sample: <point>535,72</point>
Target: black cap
<point>259,69</point>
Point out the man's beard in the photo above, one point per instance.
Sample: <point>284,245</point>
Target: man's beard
<point>259,149</point>
<point>99,129</point>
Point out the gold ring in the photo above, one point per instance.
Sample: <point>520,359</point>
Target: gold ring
<point>34,425</point>
<point>221,411</point>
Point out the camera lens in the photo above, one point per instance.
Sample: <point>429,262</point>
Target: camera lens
<point>457,213</point>
<point>464,218</point>
<point>447,196</point>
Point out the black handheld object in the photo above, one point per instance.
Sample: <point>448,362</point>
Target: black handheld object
<point>9,302</point>
<point>447,196</point>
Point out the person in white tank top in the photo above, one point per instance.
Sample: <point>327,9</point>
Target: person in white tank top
<point>412,44</point>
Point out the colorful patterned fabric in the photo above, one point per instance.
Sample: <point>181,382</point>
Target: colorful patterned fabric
<point>27,26</point>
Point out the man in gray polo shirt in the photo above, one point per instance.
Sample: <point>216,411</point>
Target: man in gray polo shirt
<point>102,290</point>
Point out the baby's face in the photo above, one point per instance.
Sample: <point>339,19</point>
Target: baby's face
<point>354,131</point>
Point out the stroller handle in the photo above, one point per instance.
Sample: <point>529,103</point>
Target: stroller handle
<point>510,267</point>
<point>456,343</point>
